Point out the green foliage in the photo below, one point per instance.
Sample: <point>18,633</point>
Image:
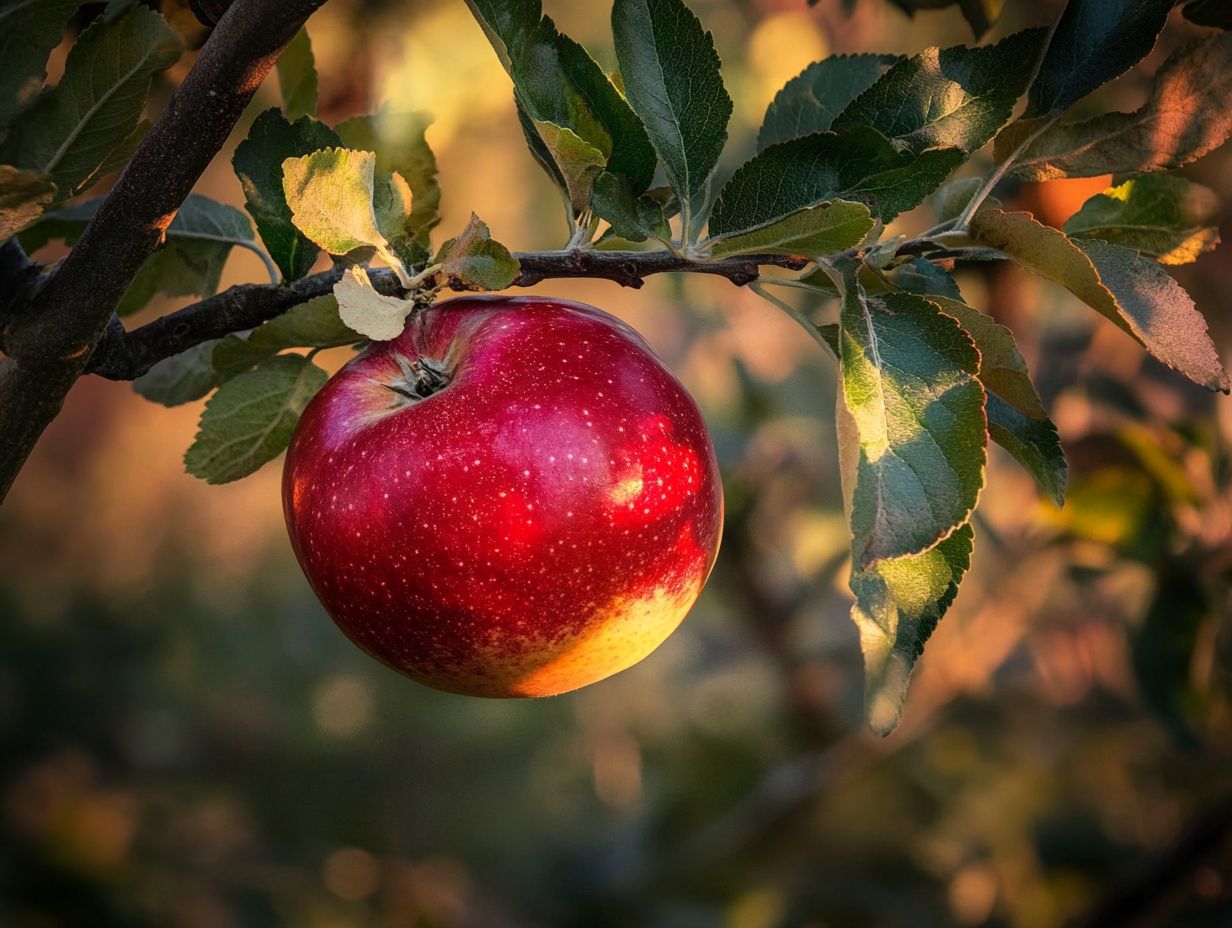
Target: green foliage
<point>632,217</point>
<point>671,75</point>
<point>297,77</point>
<point>1162,216</point>
<point>1133,292</point>
<point>181,378</point>
<point>258,165</point>
<point>314,324</point>
<point>28,33</point>
<point>251,417</point>
<point>337,202</point>
<point>71,129</point>
<point>398,139</point>
<point>1185,116</point>
<point>475,259</point>
<point>897,605</point>
<point>1094,42</point>
<point>198,242</point>
<point>818,230</point>
<point>811,100</point>
<point>861,165</point>
<point>911,424</point>
<point>948,98</point>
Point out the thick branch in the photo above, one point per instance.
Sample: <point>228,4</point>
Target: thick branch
<point>48,347</point>
<point>125,356</point>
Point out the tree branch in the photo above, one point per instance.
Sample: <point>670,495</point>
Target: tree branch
<point>125,356</point>
<point>48,345</point>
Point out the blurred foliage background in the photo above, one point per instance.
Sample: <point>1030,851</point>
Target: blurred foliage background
<point>186,740</point>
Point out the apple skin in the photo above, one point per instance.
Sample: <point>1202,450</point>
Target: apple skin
<point>543,521</point>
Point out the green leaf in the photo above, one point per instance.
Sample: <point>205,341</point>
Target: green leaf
<point>578,162</point>
<point>918,275</point>
<point>297,77</point>
<point>372,314</point>
<point>332,195</point>
<point>1033,443</point>
<point>898,605</point>
<point>181,378</point>
<point>312,324</point>
<point>251,418</point>
<point>476,260</point>
<point>72,128</point>
<point>671,77</point>
<point>1132,291</point>
<point>401,146</point>
<point>912,431</point>
<point>860,165</point>
<point>1185,116</point>
<point>814,232</point>
<point>953,196</point>
<point>1161,215</point>
<point>633,218</point>
<point>558,84</point>
<point>24,195</point>
<point>948,98</point>
<point>981,15</point>
<point>29,30</point>
<point>1214,13</point>
<point>811,100</point>
<point>1094,41</point>
<point>632,155</point>
<point>258,164</point>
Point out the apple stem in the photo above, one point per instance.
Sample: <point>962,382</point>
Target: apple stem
<point>421,378</point>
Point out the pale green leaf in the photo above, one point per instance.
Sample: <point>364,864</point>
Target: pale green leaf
<point>578,161</point>
<point>814,232</point>
<point>1161,215</point>
<point>952,197</point>
<point>948,98</point>
<point>898,605</point>
<point>1186,116</point>
<point>331,194</point>
<point>363,309</point>
<point>70,130</point>
<point>1131,291</point>
<point>250,419</point>
<point>811,100</point>
<point>297,77</point>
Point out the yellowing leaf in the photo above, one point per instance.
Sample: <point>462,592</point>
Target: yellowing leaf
<point>369,313</point>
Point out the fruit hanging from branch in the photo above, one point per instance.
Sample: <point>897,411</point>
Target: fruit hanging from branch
<point>513,498</point>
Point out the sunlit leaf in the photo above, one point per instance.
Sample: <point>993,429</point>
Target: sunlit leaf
<point>363,309</point>
<point>1131,291</point>
<point>1160,215</point>
<point>948,98</point>
<point>1186,116</point>
<point>475,259</point>
<point>24,195</point>
<point>912,431</point>
<point>297,77</point>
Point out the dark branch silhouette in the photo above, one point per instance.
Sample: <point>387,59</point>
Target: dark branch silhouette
<point>124,355</point>
<point>49,341</point>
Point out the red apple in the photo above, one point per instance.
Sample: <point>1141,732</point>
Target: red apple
<point>513,498</point>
